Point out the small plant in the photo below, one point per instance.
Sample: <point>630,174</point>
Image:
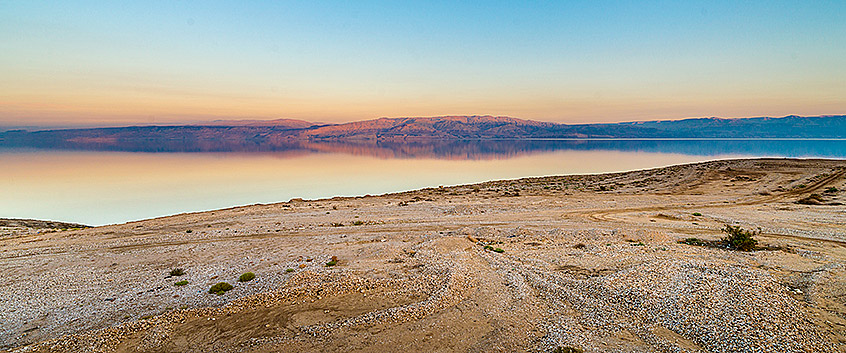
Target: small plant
<point>740,239</point>
<point>331,263</point>
<point>488,247</point>
<point>220,288</point>
<point>177,272</point>
<point>246,277</point>
<point>336,224</point>
<point>567,349</point>
<point>289,270</point>
<point>498,250</point>
<point>579,246</point>
<point>830,190</point>
<point>697,214</point>
<point>638,244</point>
<point>358,223</point>
<point>180,283</point>
<point>693,241</point>
<point>188,231</point>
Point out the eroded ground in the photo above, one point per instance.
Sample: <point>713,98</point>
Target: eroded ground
<point>592,262</point>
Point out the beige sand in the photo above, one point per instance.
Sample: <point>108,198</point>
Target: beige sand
<point>591,262</point>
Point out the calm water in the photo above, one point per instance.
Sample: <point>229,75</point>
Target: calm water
<point>114,185</point>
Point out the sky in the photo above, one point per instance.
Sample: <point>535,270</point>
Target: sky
<point>106,63</point>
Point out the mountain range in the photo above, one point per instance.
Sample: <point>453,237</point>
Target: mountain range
<point>283,132</point>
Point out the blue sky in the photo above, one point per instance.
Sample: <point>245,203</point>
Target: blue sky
<point>79,62</point>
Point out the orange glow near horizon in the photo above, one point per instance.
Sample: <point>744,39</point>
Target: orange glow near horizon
<point>121,110</point>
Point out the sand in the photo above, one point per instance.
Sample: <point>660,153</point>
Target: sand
<point>592,262</point>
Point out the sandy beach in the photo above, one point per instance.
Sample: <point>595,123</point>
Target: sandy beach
<point>592,262</point>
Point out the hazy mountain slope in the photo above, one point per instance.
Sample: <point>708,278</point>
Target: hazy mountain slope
<point>437,127</point>
<point>763,127</point>
<point>279,123</point>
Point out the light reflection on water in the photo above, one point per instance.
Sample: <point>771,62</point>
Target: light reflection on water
<point>102,187</point>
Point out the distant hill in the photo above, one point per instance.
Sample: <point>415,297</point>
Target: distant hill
<point>764,127</point>
<point>281,123</point>
<point>486,127</point>
<point>443,127</point>
<point>265,135</point>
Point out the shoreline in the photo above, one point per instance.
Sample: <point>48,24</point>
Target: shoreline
<point>72,224</point>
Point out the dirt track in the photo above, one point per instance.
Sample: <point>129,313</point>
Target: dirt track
<point>588,261</point>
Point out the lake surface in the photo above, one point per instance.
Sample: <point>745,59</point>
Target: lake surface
<point>111,184</point>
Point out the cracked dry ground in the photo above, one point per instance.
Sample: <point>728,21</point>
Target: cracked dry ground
<point>592,262</point>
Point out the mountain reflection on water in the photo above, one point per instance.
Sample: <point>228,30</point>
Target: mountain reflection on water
<point>111,182</point>
<point>469,149</point>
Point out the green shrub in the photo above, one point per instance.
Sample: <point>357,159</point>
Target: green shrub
<point>289,270</point>
<point>488,247</point>
<point>246,277</point>
<point>336,224</point>
<point>331,263</point>
<point>177,272</point>
<point>358,223</point>
<point>180,283</point>
<point>220,288</point>
<point>188,231</point>
<point>697,214</point>
<point>831,190</point>
<point>740,239</point>
<point>498,250</point>
<point>693,241</point>
<point>568,349</point>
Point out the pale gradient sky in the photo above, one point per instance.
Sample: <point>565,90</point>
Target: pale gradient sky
<point>126,62</point>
